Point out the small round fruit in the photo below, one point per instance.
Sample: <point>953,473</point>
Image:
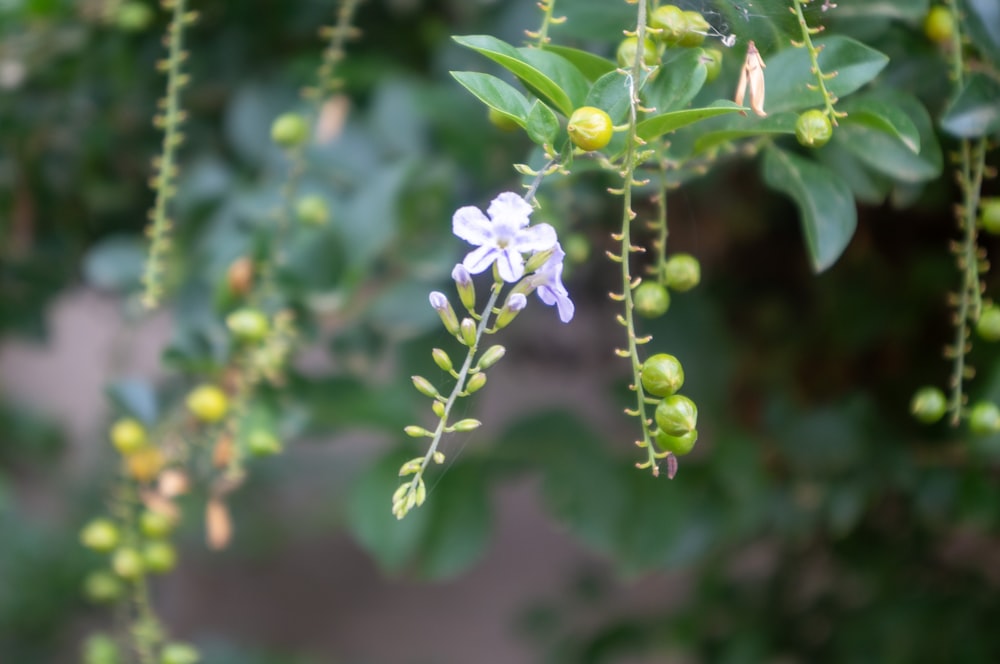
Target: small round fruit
<point>100,535</point>
<point>682,272</point>
<point>145,464</point>
<point>662,375</point>
<point>989,215</point>
<point>813,129</point>
<point>988,325</point>
<point>208,403</point>
<point>128,435</point>
<point>928,405</point>
<point>939,25</point>
<point>159,557</point>
<point>248,324</point>
<point>627,48</point>
<point>670,21</point>
<point>651,299</point>
<point>289,130</point>
<point>676,415</point>
<point>502,121</point>
<point>263,443</point>
<point>179,653</point>
<point>696,29</point>
<point>101,649</point>
<point>128,563</point>
<point>984,418</point>
<point>312,210</point>
<point>133,16</point>
<point>102,587</point>
<point>679,445</point>
<point>155,525</point>
<point>712,57</point>
<point>590,128</point>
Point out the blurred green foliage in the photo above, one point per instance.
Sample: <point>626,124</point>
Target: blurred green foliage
<point>871,538</point>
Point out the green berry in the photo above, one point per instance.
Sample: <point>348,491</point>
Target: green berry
<point>989,215</point>
<point>100,535</point>
<point>289,130</point>
<point>712,57</point>
<point>813,129</point>
<point>671,23</point>
<point>128,435</point>
<point>589,128</point>
<point>102,587</point>
<point>208,403</point>
<point>626,52</point>
<point>676,415</point>
<point>101,649</point>
<point>312,210</point>
<point>128,563</point>
<point>662,375</point>
<point>928,405</point>
<point>988,325</point>
<point>679,445</point>
<point>695,30</point>
<point>248,324</point>
<point>263,443</point>
<point>179,653</point>
<point>984,418</point>
<point>155,525</point>
<point>651,299</point>
<point>682,272</point>
<point>159,557</point>
<point>502,121</point>
<point>939,25</point>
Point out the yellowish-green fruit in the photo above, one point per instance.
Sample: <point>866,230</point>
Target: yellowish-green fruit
<point>312,210</point>
<point>145,464</point>
<point>155,525</point>
<point>813,129</point>
<point>695,30</point>
<point>263,443</point>
<point>128,564</point>
<point>179,653</point>
<point>100,535</point>
<point>679,445</point>
<point>102,587</point>
<point>626,52</point>
<point>671,23</point>
<point>248,324</point>
<point>939,25</point>
<point>676,415</point>
<point>651,299</point>
<point>128,435</point>
<point>682,272</point>
<point>208,403</point>
<point>662,375</point>
<point>159,557</point>
<point>590,128</point>
<point>289,130</point>
<point>928,405</point>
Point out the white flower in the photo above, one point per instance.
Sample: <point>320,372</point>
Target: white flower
<point>503,237</point>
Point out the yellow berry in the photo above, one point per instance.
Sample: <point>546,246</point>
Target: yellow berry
<point>128,436</point>
<point>208,403</point>
<point>590,128</point>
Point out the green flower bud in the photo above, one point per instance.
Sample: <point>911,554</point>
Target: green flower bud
<point>511,308</point>
<point>438,408</point>
<point>988,325</point>
<point>492,355</point>
<point>662,375</point>
<point>928,405</point>
<point>289,130</point>
<point>248,324</point>
<point>442,360</point>
<point>589,128</point>
<point>102,587</point>
<point>414,431</point>
<point>468,331</point>
<point>463,284</point>
<point>984,418</point>
<point>682,272</point>
<point>679,445</point>
<point>425,387</point>
<point>627,48</point>
<point>651,299</point>
<point>475,383</point>
<point>537,260</point>
<point>100,535</point>
<point>813,129</point>
<point>441,304</point>
<point>312,210</point>
<point>676,415</point>
<point>467,425</point>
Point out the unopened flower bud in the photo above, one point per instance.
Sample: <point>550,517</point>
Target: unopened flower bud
<point>491,356</point>
<point>515,302</point>
<point>465,287</point>
<point>416,432</point>
<point>424,387</point>
<point>438,408</point>
<point>438,457</point>
<point>476,382</point>
<point>468,329</point>
<point>467,425</point>
<point>441,359</point>
<point>440,302</point>
<point>538,259</point>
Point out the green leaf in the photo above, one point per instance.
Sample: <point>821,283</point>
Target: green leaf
<point>135,398</point>
<point>591,66</point>
<point>868,187</point>
<point>744,127</point>
<point>824,200</point>
<point>788,77</point>
<point>662,124</point>
<point>975,111</point>
<point>877,114</point>
<point>907,10</point>
<point>495,93</point>
<point>610,93</point>
<point>559,70</point>
<point>677,82</point>
<point>543,125</point>
<point>511,59</point>
<point>982,22</point>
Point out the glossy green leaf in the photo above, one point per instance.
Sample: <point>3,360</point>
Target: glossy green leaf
<point>744,127</point>
<point>495,93</point>
<point>513,61</point>
<point>591,66</point>
<point>825,204</point>
<point>659,125</point>
<point>677,82</point>
<point>877,114</point>
<point>543,125</point>
<point>561,71</point>
<point>975,112</point>
<point>868,186</point>
<point>610,93</point>
<point>789,79</point>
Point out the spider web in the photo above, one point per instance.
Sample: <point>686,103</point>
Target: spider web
<point>769,23</point>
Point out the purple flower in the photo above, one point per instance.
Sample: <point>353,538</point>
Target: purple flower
<point>503,237</point>
<point>548,281</point>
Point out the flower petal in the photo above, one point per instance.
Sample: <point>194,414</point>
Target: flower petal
<point>566,309</point>
<point>536,238</point>
<point>546,295</point>
<point>470,224</point>
<point>512,207</point>
<point>478,260</point>
<point>510,265</point>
